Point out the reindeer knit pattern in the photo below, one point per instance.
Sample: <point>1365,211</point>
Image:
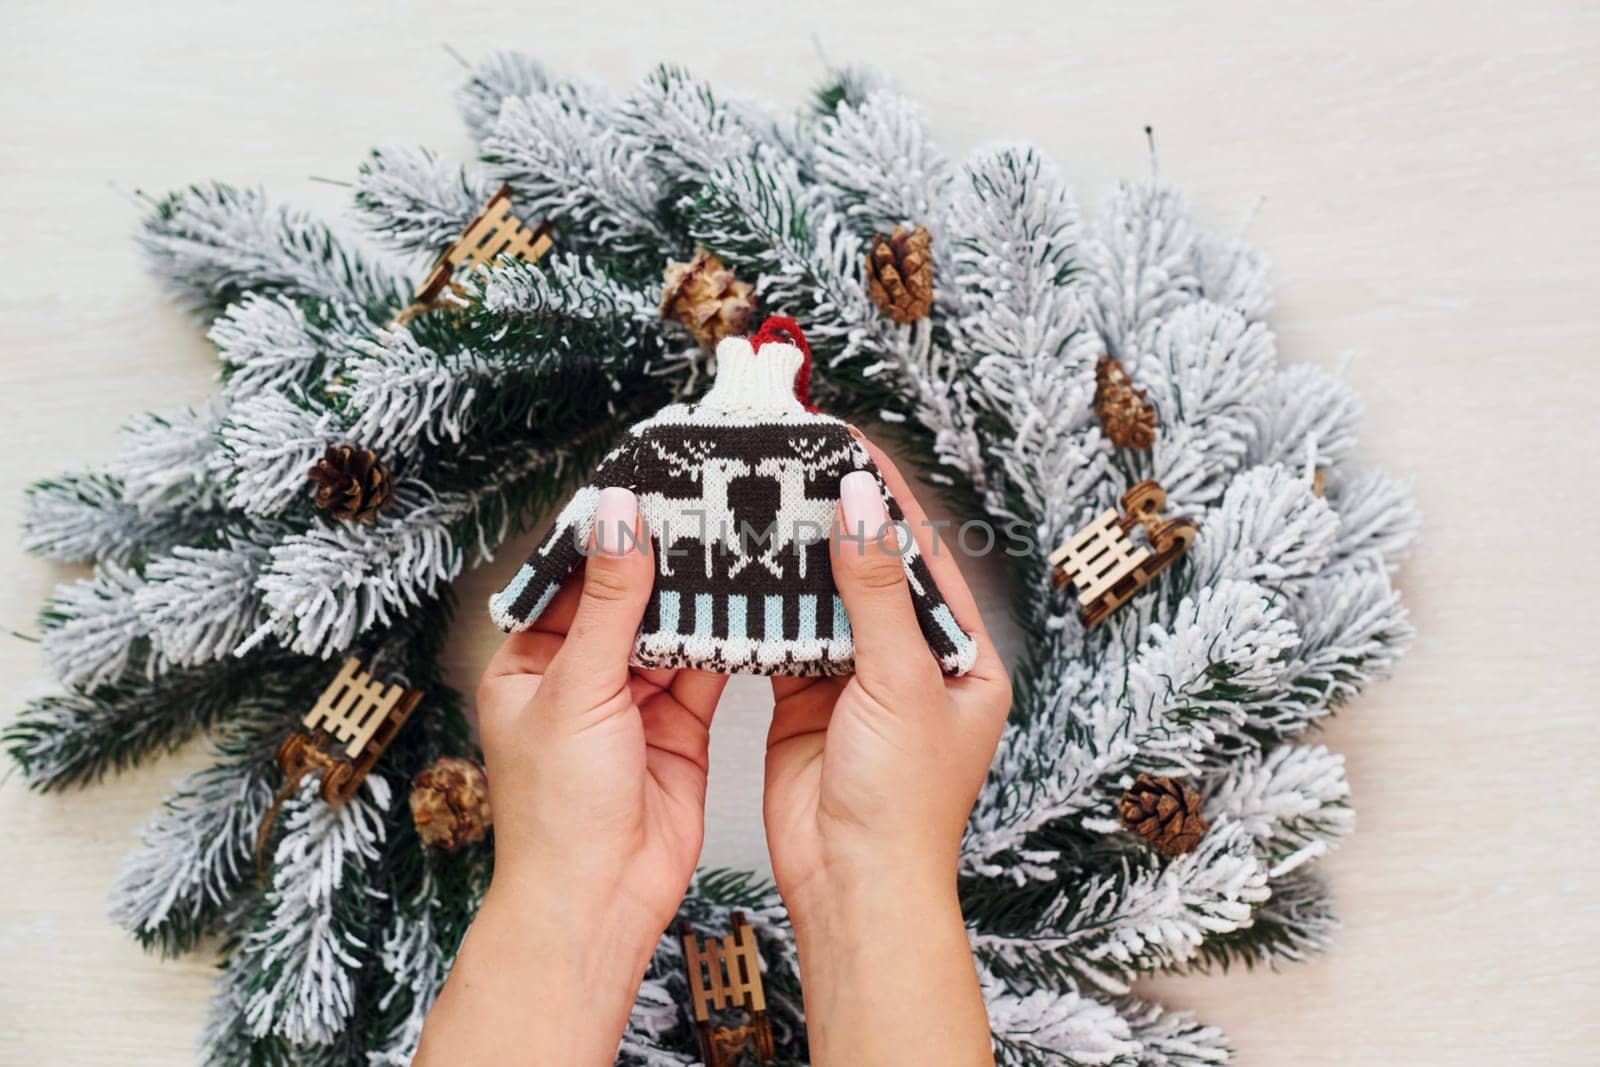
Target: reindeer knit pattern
<point>738,494</point>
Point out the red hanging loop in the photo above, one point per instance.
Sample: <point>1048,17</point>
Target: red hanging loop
<point>782,329</point>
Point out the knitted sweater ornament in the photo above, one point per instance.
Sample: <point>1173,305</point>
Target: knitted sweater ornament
<point>737,492</point>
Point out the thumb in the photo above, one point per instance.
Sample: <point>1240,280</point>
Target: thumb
<point>617,578</point>
<point>870,574</point>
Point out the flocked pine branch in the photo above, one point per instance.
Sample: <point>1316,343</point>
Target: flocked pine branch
<point>215,244</point>
<point>1293,801</point>
<point>74,738</point>
<point>80,518</point>
<point>1099,932</point>
<point>554,322</point>
<point>1141,252</point>
<point>683,127</point>
<point>416,201</point>
<point>1294,924</point>
<point>1043,1027</point>
<point>268,443</point>
<point>194,856</point>
<point>326,586</point>
<point>879,163</point>
<point>565,159</point>
<point>498,75</point>
<point>163,461</point>
<point>1020,329</point>
<point>759,214</point>
<point>308,952</point>
<point>1171,1038</point>
<point>278,342</point>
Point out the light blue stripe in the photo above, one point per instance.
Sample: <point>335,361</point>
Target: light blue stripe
<point>808,617</point>
<point>774,618</point>
<point>669,611</point>
<point>841,620</point>
<point>947,623</point>
<point>544,600</point>
<point>736,617</point>
<point>506,599</point>
<point>509,594</point>
<point>702,614</point>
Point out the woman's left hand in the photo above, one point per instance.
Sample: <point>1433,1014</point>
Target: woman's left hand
<point>597,782</point>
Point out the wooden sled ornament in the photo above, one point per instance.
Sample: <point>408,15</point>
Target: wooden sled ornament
<point>1103,563</point>
<point>725,973</point>
<point>495,232</point>
<point>347,729</point>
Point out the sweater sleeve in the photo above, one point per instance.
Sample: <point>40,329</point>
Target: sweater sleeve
<point>953,647</point>
<point>520,603</point>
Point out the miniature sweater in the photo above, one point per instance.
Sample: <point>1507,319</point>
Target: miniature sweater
<point>737,492</point>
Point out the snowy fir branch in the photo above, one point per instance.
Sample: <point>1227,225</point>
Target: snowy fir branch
<point>194,856</point>
<point>306,950</point>
<point>75,738</point>
<point>323,588</point>
<point>762,217</point>
<point>268,443</point>
<point>565,159</point>
<point>498,76</point>
<point>878,161</point>
<point>215,244</point>
<point>79,518</point>
<point>218,592</point>
<point>269,343</point>
<point>492,369</point>
<point>162,462</point>
<point>1141,253</point>
<point>416,201</point>
<point>683,128</point>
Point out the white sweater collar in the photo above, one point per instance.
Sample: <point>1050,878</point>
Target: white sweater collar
<point>754,383</point>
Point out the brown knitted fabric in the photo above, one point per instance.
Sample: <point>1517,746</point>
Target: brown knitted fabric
<point>738,492</point>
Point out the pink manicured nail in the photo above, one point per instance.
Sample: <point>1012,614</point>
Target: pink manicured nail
<point>614,520</point>
<point>864,511</point>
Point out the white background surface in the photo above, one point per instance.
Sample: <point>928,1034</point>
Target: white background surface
<point>1429,175</point>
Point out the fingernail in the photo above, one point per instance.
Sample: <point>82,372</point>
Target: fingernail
<point>864,511</point>
<point>614,520</point>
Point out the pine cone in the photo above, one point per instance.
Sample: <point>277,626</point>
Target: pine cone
<point>900,273</point>
<point>450,803</point>
<point>706,297</point>
<point>1164,813</point>
<point>351,483</point>
<point>1126,416</point>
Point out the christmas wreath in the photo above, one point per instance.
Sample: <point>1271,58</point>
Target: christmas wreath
<point>1156,804</point>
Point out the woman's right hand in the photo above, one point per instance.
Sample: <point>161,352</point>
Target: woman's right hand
<point>869,782</point>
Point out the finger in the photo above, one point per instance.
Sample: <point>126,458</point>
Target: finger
<point>801,706</point>
<point>677,737</point>
<point>785,684</point>
<point>526,652</point>
<point>617,579</point>
<point>871,580</point>
<point>699,691</point>
<point>675,729</point>
<point>940,560</point>
<point>557,617</point>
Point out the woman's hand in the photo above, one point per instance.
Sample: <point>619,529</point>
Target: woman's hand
<point>869,782</point>
<point>597,780</point>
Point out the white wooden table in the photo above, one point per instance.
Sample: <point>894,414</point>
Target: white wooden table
<point>1429,177</point>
